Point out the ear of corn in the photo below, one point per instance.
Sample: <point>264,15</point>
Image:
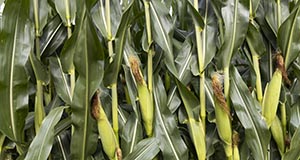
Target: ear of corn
<point>271,98</point>
<point>223,119</point>
<point>145,98</point>
<point>146,108</point>
<point>278,135</point>
<point>106,133</point>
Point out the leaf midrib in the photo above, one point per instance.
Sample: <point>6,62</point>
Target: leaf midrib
<point>12,113</point>
<point>160,27</point>
<point>250,117</point>
<point>164,129</point>
<point>234,31</point>
<point>291,36</point>
<point>45,137</point>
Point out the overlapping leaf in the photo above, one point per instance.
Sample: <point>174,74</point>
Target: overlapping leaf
<point>61,8</point>
<point>60,80</point>
<point>257,133</point>
<point>42,143</point>
<point>145,149</point>
<point>287,37</point>
<point>53,37</point>
<point>235,17</point>
<point>165,130</point>
<point>191,104</point>
<point>111,73</point>
<point>162,30</point>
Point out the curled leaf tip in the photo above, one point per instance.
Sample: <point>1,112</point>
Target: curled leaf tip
<point>218,91</point>
<point>96,105</point>
<point>135,68</point>
<point>281,66</point>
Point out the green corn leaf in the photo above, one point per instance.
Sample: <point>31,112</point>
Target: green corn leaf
<point>99,18</point>
<point>293,152</point>
<point>235,17</point>
<point>43,12</point>
<point>162,30</point>
<point>132,133</point>
<point>54,36</point>
<point>67,53</point>
<point>183,64</point>
<point>288,40</point>
<point>60,80</point>
<point>295,117</point>
<point>42,143</point>
<point>145,149</point>
<point>16,43</point>
<point>270,9</point>
<point>254,4</point>
<point>60,6</point>
<point>171,144</point>
<point>255,40</point>
<point>40,70</point>
<point>195,15</point>
<point>2,139</point>
<point>111,73</point>
<point>88,60</point>
<point>209,29</point>
<point>257,133</point>
<point>191,104</point>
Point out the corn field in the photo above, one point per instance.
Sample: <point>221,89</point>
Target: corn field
<point>149,79</point>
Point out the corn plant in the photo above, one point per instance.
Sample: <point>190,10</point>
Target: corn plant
<point>149,79</point>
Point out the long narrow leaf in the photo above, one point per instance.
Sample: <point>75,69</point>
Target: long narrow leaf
<point>111,73</point>
<point>42,143</point>
<point>295,117</point>
<point>257,133</point>
<point>60,6</point>
<point>191,104</point>
<point>171,144</point>
<point>162,28</point>
<point>287,37</point>
<point>16,41</point>
<point>89,65</point>
<point>184,75</point>
<point>54,36</point>
<point>145,149</point>
<point>235,16</point>
<point>60,80</point>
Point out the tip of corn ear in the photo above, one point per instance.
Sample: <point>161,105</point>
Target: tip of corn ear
<point>281,66</point>
<point>218,91</point>
<point>135,68</point>
<point>95,105</point>
<point>119,154</point>
<point>235,138</point>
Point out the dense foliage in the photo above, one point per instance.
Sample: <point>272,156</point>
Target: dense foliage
<point>150,79</point>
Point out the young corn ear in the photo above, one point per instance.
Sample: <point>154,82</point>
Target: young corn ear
<point>145,98</point>
<point>271,98</point>
<point>106,133</point>
<point>277,133</point>
<point>222,112</point>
